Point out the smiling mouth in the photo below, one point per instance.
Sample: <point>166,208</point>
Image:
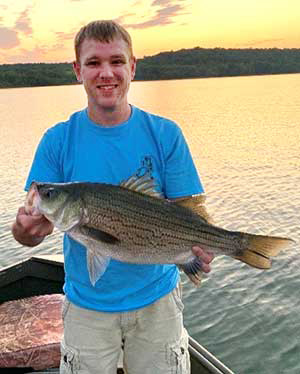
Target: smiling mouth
<point>107,87</point>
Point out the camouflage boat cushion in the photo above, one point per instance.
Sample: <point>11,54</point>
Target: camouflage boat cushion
<point>31,331</point>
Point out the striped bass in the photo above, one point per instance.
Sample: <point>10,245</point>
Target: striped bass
<point>132,223</point>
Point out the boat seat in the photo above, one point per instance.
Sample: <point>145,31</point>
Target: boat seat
<point>30,332</point>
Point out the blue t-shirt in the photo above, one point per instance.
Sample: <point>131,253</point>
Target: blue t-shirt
<point>81,150</point>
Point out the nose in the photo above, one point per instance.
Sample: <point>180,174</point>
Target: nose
<point>106,71</point>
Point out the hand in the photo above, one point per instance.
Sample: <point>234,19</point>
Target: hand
<point>30,229</point>
<point>206,258</point>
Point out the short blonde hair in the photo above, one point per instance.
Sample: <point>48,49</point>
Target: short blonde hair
<point>103,31</point>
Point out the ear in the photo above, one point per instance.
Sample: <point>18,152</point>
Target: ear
<point>133,67</point>
<point>77,70</point>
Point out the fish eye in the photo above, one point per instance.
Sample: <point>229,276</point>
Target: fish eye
<point>50,193</point>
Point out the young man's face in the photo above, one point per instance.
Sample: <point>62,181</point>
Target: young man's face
<point>106,70</point>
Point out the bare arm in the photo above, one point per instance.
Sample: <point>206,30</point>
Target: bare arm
<point>196,204</point>
<point>30,230</point>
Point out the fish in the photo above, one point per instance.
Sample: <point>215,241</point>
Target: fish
<point>132,222</point>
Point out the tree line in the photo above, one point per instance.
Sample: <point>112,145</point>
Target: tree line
<point>185,63</point>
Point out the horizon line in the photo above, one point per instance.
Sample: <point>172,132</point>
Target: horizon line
<point>156,54</point>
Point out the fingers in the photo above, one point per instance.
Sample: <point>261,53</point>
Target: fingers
<point>206,258</point>
<point>35,225</point>
<point>22,214</point>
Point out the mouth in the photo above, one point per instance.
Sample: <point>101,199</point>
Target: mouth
<point>32,201</point>
<point>107,87</point>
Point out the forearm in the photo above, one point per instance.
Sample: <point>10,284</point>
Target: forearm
<point>196,204</point>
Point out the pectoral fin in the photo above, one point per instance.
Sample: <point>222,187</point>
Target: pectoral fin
<point>97,265</point>
<point>98,235</point>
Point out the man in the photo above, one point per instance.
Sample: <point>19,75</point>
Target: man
<point>138,306</point>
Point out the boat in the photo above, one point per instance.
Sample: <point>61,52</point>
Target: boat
<point>42,276</point>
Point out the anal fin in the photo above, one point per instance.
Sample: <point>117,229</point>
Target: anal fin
<point>193,270</point>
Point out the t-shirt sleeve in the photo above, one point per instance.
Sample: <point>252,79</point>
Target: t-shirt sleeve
<point>181,177</point>
<point>46,165</point>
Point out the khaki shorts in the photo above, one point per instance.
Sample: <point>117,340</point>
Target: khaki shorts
<point>153,338</point>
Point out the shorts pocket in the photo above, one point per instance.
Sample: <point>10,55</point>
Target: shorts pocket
<point>69,363</point>
<point>177,296</point>
<point>178,356</point>
<point>65,308</point>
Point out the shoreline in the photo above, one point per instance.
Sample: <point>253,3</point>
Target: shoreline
<point>193,63</point>
<point>151,80</point>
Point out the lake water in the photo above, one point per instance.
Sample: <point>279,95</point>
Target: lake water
<point>244,134</point>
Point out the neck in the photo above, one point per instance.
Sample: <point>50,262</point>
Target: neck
<point>110,116</point>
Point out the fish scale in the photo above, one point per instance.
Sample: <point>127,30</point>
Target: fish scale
<point>137,210</point>
<point>124,212</point>
<point>179,223</point>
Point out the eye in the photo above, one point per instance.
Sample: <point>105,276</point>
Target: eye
<point>118,62</point>
<point>92,63</point>
<point>50,193</point>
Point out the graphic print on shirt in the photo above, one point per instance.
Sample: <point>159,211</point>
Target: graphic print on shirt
<point>146,167</point>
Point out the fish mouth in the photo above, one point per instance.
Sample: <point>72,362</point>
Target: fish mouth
<point>32,201</point>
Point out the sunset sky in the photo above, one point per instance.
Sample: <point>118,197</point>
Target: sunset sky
<point>43,30</point>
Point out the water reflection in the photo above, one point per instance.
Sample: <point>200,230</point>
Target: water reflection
<point>244,135</point>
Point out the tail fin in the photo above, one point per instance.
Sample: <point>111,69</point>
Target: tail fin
<point>193,270</point>
<point>261,248</point>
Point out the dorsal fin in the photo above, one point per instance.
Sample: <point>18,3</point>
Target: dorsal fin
<point>144,184</point>
<point>196,205</point>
